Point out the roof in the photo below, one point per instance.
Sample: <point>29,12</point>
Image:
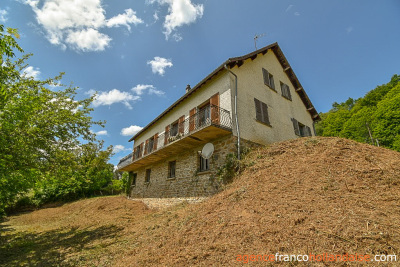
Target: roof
<point>232,62</point>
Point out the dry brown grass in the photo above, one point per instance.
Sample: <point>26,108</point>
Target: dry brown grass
<point>311,195</point>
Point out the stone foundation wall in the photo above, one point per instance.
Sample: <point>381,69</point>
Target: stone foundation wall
<point>188,181</point>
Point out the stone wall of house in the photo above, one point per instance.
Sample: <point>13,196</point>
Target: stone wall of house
<point>188,181</point>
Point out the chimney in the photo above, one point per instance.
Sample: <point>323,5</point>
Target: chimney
<point>188,88</point>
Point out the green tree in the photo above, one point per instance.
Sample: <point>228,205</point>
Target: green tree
<point>375,116</point>
<point>40,127</point>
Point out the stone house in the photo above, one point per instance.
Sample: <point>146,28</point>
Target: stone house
<point>247,100</point>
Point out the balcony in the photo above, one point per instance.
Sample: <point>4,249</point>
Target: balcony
<point>208,124</point>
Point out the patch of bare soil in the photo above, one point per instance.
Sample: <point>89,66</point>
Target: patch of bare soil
<point>305,196</point>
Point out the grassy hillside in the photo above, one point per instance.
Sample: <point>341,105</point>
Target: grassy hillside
<point>310,195</point>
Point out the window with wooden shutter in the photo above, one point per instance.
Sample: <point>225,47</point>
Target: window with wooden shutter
<point>286,91</point>
<point>296,127</point>
<point>301,129</point>
<point>257,103</point>
<point>261,111</point>
<point>268,79</point>
<point>266,76</point>
<point>265,117</point>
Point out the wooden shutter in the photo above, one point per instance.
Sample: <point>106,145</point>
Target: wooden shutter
<point>266,76</point>
<point>181,124</point>
<point>166,134</point>
<point>271,81</point>
<point>155,142</point>
<point>141,150</point>
<point>214,106</point>
<point>296,126</point>
<point>192,119</point>
<point>265,117</point>
<point>288,92</point>
<point>257,103</point>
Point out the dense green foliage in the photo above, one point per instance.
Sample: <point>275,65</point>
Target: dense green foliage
<point>374,118</point>
<point>46,146</point>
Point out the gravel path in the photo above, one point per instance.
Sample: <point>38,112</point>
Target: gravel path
<point>160,203</point>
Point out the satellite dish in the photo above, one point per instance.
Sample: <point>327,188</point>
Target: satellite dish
<point>207,151</point>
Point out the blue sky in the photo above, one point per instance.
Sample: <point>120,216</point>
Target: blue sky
<point>140,55</point>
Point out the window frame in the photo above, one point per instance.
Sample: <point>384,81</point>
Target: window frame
<point>204,114</point>
<point>174,127</point>
<point>134,177</point>
<point>301,129</point>
<point>285,90</point>
<point>204,164</point>
<point>171,169</point>
<point>138,153</point>
<point>262,114</point>
<point>147,176</point>
<point>150,145</point>
<point>268,79</point>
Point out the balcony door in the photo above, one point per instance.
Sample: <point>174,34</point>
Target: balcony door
<point>204,116</point>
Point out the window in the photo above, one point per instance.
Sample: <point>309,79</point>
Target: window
<point>174,129</point>
<point>171,169</point>
<point>301,129</point>
<point>286,91</point>
<point>204,164</point>
<point>204,115</point>
<point>147,178</point>
<point>138,151</point>
<point>150,145</point>
<point>268,79</point>
<point>132,177</point>
<point>261,111</point>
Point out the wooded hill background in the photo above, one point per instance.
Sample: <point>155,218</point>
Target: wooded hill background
<point>374,118</point>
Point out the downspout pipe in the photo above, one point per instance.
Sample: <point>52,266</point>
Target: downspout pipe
<point>235,110</point>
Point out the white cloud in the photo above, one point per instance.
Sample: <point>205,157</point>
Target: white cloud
<point>288,8</point>
<point>129,17</point>
<point>102,132</point>
<point>112,97</point>
<point>87,40</point>
<point>3,15</point>
<point>31,72</point>
<point>140,88</point>
<point>181,12</point>
<point>155,16</point>
<point>154,91</point>
<point>131,130</point>
<point>297,13</point>
<point>119,148</point>
<point>77,24</point>
<point>158,65</point>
